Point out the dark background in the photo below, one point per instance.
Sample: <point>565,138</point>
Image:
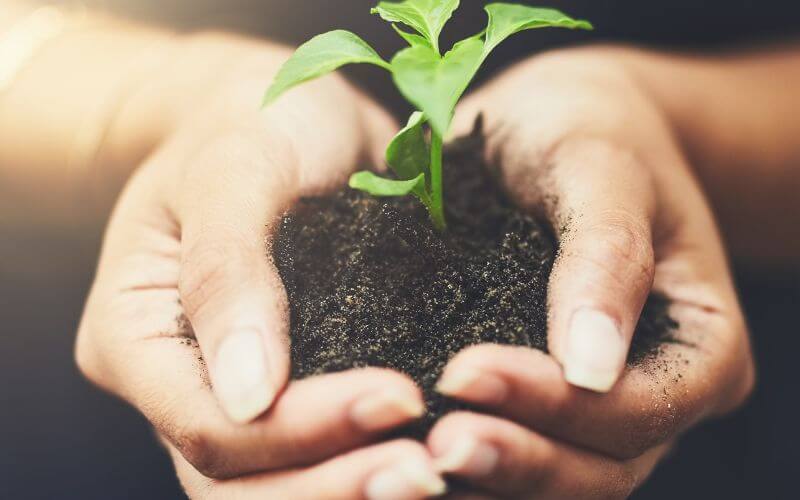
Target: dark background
<point>61,438</point>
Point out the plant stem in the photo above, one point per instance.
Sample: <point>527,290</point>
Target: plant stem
<point>437,194</point>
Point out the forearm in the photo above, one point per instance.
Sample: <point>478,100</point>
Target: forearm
<point>738,119</point>
<point>57,114</point>
<point>93,102</point>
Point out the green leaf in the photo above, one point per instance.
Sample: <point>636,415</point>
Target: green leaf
<point>411,38</point>
<point>434,84</point>
<point>506,19</point>
<point>409,153</point>
<point>427,17</point>
<point>321,55</point>
<point>380,186</point>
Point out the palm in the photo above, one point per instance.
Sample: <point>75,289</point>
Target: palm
<point>580,143</point>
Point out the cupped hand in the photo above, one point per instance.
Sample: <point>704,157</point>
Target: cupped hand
<point>581,142</point>
<point>190,239</point>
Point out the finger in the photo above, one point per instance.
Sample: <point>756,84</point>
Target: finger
<point>165,378</point>
<point>605,266</point>
<point>133,343</point>
<point>397,470</point>
<point>229,287</point>
<point>509,460</point>
<point>651,404</point>
<point>601,204</point>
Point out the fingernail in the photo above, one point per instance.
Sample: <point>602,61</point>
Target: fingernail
<point>595,351</point>
<point>473,385</point>
<point>384,410</point>
<point>405,481</point>
<point>240,376</point>
<point>467,456</point>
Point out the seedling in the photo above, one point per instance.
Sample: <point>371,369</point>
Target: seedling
<point>430,81</point>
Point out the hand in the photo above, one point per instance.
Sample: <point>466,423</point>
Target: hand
<point>190,236</point>
<point>582,143</point>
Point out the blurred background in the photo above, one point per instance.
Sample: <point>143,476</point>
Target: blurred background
<point>61,438</point>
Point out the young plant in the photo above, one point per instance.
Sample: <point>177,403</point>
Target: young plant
<point>431,81</point>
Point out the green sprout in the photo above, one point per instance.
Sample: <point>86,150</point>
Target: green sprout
<point>431,81</point>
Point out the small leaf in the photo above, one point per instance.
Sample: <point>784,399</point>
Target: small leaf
<point>506,19</point>
<point>427,17</point>
<point>380,186</point>
<point>434,84</point>
<point>321,55</point>
<point>409,154</point>
<point>411,38</point>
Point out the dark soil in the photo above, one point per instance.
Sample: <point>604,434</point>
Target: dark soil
<point>370,283</point>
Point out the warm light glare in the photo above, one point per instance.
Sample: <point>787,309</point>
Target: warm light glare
<point>19,44</point>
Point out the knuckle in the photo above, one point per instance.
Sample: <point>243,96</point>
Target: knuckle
<point>619,243</point>
<point>627,477</point>
<point>623,240</point>
<point>537,472</point>
<point>644,430</point>
<point>200,448</point>
<point>299,442</point>
<point>561,410</point>
<point>206,273</point>
<point>546,454</point>
<point>621,485</point>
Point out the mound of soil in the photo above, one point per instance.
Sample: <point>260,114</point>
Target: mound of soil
<point>370,283</point>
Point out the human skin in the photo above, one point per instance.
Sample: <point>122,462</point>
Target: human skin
<point>581,141</point>
<point>189,236</point>
<point>603,138</point>
<point>213,174</point>
<point>632,216</point>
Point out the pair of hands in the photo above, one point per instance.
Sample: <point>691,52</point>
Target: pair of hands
<point>579,140</point>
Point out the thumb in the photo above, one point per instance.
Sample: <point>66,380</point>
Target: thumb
<point>229,288</point>
<point>604,270</point>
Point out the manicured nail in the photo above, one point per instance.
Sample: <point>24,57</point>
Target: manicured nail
<point>468,457</point>
<point>240,376</point>
<point>595,351</point>
<point>473,385</point>
<point>405,481</point>
<point>383,410</point>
